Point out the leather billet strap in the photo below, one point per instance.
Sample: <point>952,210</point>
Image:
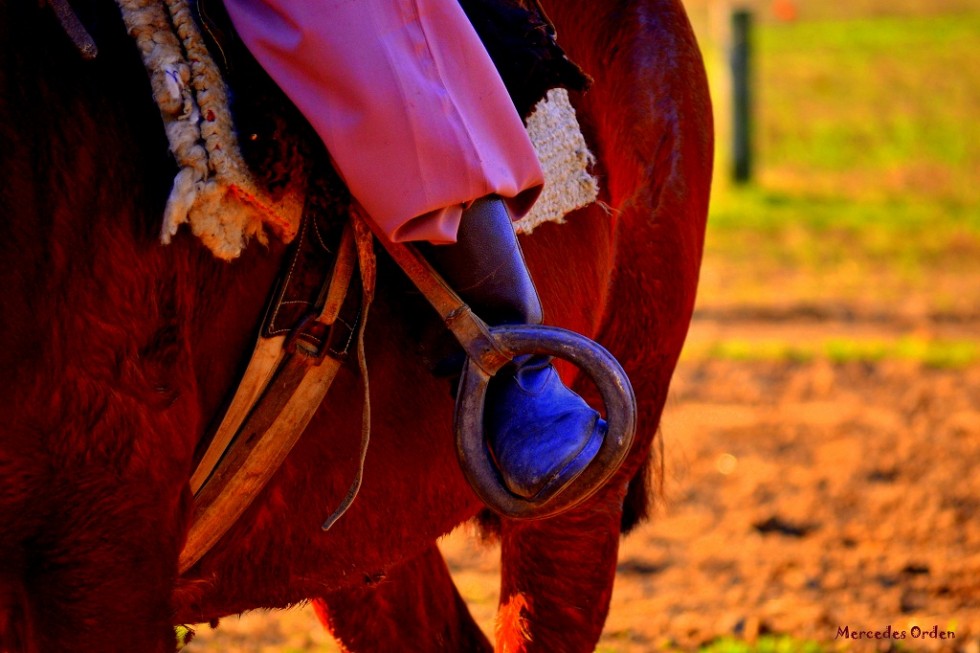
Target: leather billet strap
<point>311,308</point>
<point>301,291</point>
<point>286,380</point>
<point>266,438</point>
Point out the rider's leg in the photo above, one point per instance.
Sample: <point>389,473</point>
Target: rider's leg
<point>406,100</point>
<point>419,124</point>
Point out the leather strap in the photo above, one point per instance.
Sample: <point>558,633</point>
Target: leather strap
<point>286,380</point>
<point>471,332</point>
<point>73,28</point>
<point>314,285</point>
<point>267,437</point>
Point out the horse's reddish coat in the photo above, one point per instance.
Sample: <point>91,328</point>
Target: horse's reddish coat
<point>117,352</point>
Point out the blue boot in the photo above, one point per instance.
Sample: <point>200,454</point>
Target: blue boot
<point>541,434</point>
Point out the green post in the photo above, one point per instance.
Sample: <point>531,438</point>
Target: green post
<point>741,62</point>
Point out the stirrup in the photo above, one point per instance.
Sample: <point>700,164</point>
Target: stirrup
<point>471,445</point>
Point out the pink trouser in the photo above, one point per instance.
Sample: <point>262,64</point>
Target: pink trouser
<point>406,100</point>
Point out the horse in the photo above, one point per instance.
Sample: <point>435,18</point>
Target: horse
<point>118,352</point>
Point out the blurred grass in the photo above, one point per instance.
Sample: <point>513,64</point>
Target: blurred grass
<point>765,644</point>
<point>936,354</point>
<point>890,106</point>
<point>868,162</point>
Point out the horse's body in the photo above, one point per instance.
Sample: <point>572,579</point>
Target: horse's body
<point>117,352</point>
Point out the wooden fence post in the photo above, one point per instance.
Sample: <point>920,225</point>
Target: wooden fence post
<point>741,66</point>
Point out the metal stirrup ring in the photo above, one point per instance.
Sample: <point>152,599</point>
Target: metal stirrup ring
<point>613,385</point>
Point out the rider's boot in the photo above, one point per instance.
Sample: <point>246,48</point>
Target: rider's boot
<point>541,434</point>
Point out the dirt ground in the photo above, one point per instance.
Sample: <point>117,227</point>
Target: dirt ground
<point>800,498</point>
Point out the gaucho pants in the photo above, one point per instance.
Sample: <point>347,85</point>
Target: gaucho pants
<point>406,100</point>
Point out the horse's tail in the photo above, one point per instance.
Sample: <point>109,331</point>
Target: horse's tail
<point>641,491</point>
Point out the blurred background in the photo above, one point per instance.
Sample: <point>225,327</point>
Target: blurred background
<point>824,423</point>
